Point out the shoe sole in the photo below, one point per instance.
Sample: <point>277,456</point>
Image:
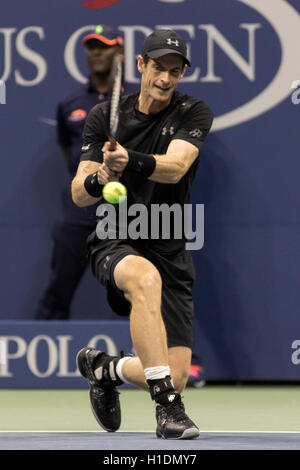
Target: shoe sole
<point>191,433</point>
<point>78,359</point>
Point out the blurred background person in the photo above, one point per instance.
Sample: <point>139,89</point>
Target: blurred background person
<point>197,373</point>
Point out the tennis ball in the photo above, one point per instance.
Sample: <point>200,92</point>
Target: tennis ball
<point>114,192</point>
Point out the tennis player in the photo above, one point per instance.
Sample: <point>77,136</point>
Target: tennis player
<point>160,135</point>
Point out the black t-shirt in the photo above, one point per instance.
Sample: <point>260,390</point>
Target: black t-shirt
<point>185,118</point>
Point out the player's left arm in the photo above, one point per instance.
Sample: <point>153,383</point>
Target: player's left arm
<point>181,153</point>
<point>168,168</point>
<point>172,166</point>
<point>185,146</point>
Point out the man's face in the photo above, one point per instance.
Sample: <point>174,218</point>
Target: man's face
<point>100,56</point>
<point>160,76</point>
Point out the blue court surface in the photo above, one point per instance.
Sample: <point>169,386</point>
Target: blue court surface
<point>142,440</point>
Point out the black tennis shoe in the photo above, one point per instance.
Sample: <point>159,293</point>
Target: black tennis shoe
<point>104,397</point>
<point>172,421</point>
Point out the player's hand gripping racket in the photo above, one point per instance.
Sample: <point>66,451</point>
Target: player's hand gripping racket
<point>115,87</point>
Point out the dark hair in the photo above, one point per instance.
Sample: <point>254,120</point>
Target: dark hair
<point>146,59</point>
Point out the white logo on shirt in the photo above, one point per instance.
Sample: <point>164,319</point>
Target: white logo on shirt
<point>84,148</point>
<point>196,133</point>
<point>106,261</point>
<point>166,130</point>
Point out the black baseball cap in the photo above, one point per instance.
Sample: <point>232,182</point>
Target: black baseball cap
<point>105,34</point>
<point>165,41</point>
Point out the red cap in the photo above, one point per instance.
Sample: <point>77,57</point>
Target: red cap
<point>105,34</point>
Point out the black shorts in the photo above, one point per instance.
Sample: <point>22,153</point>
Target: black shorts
<point>177,274</point>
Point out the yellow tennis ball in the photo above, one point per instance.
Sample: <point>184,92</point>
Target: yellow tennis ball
<point>114,192</point>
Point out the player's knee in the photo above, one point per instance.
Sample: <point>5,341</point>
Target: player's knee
<point>140,279</point>
<point>149,281</point>
<point>134,269</point>
<point>146,286</point>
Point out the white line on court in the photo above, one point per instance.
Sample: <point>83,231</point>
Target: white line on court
<point>153,431</point>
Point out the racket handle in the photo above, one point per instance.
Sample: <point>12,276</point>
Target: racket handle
<point>113,143</point>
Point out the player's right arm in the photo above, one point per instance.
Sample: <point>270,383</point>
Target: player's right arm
<point>80,195</point>
<point>91,161</point>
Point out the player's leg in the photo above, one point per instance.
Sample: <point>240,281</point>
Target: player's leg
<point>96,366</point>
<point>177,310</point>
<point>141,283</point>
<point>131,275</point>
<point>142,287</point>
<point>179,360</point>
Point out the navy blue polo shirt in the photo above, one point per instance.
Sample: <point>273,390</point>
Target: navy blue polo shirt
<point>71,115</point>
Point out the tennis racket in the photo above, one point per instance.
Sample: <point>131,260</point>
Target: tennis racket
<point>115,87</point>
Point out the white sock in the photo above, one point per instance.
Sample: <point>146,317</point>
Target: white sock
<point>120,366</point>
<point>159,372</point>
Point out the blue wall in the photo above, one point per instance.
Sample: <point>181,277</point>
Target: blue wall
<point>247,289</point>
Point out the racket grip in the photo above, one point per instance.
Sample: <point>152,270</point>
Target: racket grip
<point>113,143</point>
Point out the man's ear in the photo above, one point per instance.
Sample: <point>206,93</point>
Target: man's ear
<point>140,63</point>
<point>183,71</point>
